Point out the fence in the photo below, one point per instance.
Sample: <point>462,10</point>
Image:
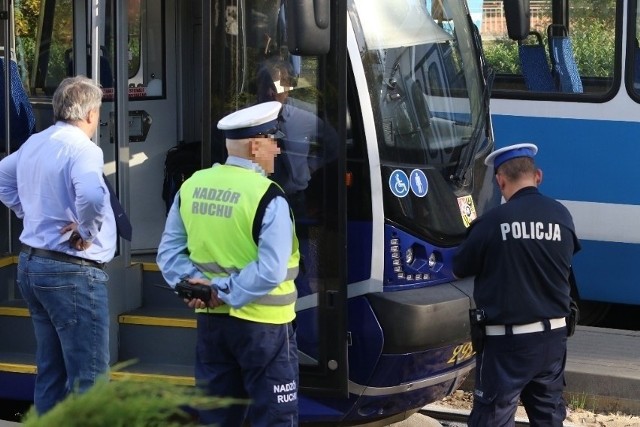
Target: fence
<point>494,23</point>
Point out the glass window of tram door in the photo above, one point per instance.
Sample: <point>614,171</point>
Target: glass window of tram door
<point>45,52</point>
<point>250,64</point>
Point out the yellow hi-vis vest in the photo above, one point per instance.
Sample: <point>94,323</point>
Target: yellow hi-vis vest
<point>218,206</point>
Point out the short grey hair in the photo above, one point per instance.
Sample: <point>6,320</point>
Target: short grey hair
<point>75,97</point>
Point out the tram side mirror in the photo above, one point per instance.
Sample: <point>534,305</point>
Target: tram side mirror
<point>517,14</point>
<point>308,27</point>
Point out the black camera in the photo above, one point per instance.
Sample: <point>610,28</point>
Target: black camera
<point>477,316</point>
<point>188,290</point>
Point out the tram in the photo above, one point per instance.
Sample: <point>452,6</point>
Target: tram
<point>568,79</point>
<point>387,103</point>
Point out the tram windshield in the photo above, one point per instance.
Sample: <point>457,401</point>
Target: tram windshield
<point>426,88</point>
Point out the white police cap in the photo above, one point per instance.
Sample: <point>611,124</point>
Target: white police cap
<point>251,121</point>
<point>501,155</point>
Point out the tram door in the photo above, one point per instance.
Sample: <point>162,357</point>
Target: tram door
<point>249,60</point>
<point>140,126</point>
<point>126,44</point>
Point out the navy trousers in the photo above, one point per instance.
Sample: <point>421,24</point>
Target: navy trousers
<point>248,360</point>
<point>526,367</point>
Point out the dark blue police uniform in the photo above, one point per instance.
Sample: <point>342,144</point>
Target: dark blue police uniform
<point>521,254</point>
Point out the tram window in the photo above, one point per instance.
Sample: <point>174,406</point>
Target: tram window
<point>135,39</point>
<point>46,67</point>
<point>267,71</point>
<point>581,60</point>
<point>146,62</point>
<point>434,81</point>
<point>47,50</point>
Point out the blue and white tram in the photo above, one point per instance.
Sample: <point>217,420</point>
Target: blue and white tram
<point>388,126</point>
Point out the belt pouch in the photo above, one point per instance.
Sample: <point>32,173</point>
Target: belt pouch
<point>477,321</point>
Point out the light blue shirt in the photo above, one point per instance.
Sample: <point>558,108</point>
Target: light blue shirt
<point>257,278</point>
<point>54,179</point>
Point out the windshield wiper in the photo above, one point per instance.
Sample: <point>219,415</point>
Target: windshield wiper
<point>468,156</point>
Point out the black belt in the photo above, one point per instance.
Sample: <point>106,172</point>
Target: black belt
<point>60,256</point>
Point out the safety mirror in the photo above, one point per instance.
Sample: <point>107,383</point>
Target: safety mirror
<point>517,14</point>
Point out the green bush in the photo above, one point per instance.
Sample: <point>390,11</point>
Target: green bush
<point>593,44</point>
<point>502,55</point>
<point>128,403</point>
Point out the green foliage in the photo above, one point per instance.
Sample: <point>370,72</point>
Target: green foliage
<point>604,10</point>
<point>593,44</point>
<point>128,403</point>
<point>502,55</point>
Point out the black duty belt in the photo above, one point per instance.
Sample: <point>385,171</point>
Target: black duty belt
<point>60,256</point>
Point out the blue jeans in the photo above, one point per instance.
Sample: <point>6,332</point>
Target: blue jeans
<point>70,313</point>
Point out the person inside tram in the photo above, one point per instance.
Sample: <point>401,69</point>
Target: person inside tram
<point>309,144</point>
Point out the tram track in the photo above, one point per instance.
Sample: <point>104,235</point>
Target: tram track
<point>456,417</point>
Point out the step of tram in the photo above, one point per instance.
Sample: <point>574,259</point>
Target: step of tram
<point>16,333</point>
<point>8,287</point>
<point>158,336</point>
<point>150,337</point>
<point>155,291</point>
<point>603,367</point>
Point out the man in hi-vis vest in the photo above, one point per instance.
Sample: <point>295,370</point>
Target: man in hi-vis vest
<point>230,227</point>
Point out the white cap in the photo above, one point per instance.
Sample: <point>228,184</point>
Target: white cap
<point>251,121</point>
<point>501,155</point>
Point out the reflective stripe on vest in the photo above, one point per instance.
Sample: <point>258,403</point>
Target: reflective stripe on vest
<point>215,268</point>
<point>276,300</point>
<point>284,299</point>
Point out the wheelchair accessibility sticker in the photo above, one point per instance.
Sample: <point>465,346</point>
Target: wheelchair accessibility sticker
<point>399,183</point>
<point>419,184</point>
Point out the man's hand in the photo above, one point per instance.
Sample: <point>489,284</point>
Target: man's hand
<point>198,303</point>
<point>75,240</point>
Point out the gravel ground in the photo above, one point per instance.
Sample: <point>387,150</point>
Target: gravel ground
<point>575,417</point>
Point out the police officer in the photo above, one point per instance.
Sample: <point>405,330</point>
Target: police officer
<point>520,254</point>
<point>230,227</point>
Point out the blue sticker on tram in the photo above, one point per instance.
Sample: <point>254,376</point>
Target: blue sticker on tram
<point>419,183</point>
<point>399,183</point>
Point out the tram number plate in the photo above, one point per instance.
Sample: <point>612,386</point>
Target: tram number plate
<point>461,353</point>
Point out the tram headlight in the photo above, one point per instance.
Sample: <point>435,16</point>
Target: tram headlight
<point>432,260</point>
<point>394,249</point>
<point>408,256</point>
